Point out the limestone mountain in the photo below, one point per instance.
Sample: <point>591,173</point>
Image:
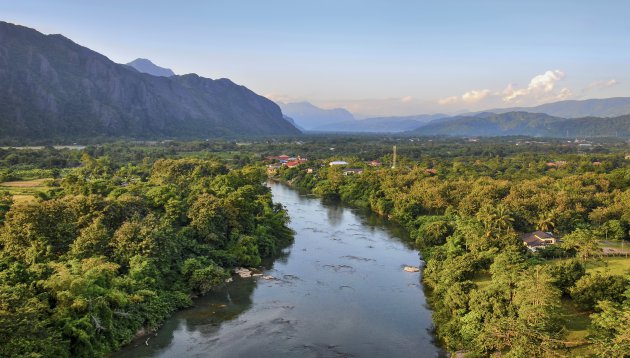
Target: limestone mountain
<point>146,66</point>
<point>53,88</point>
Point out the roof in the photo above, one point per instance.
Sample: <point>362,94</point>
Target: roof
<point>536,238</point>
<point>338,162</point>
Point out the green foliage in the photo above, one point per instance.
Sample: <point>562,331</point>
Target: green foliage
<point>611,328</point>
<point>466,214</point>
<point>584,242</point>
<point>593,288</point>
<point>566,273</point>
<point>120,249</point>
<point>5,204</point>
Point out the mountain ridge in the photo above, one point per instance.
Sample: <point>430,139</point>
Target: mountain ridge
<point>527,124</point>
<point>146,66</point>
<point>55,88</point>
<point>393,124</point>
<point>596,107</point>
<point>308,116</point>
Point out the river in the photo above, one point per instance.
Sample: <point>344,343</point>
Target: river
<point>338,291</point>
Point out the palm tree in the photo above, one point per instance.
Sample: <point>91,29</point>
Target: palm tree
<point>487,217</point>
<point>545,221</point>
<point>502,218</point>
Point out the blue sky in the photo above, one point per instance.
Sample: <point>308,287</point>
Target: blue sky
<point>372,57</point>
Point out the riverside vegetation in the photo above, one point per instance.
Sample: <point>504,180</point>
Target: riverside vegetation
<point>112,248</point>
<point>120,236</point>
<point>489,294</point>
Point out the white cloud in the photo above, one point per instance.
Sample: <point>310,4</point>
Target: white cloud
<point>407,99</point>
<point>475,96</point>
<point>600,85</point>
<point>469,97</point>
<point>563,94</point>
<point>540,88</point>
<point>448,100</point>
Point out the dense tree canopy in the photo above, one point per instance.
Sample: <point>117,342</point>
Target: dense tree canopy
<point>121,247</point>
<point>489,293</point>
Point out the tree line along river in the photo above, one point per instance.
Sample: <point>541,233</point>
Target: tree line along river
<point>338,291</point>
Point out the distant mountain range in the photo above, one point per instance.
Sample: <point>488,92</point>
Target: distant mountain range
<point>586,118</point>
<point>606,107</point>
<point>50,87</point>
<point>527,124</point>
<point>381,124</point>
<point>307,116</point>
<point>145,66</point>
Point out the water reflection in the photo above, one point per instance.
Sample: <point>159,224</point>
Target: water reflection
<point>339,291</point>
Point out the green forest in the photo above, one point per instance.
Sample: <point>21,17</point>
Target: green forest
<point>102,243</point>
<point>110,248</point>
<point>489,293</point>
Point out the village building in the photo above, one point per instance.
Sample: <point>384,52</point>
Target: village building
<point>287,161</point>
<point>338,162</point>
<point>272,169</point>
<point>352,171</point>
<point>281,158</point>
<point>538,239</point>
<point>556,164</point>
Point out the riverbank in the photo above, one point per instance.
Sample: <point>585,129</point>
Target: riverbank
<point>340,289</point>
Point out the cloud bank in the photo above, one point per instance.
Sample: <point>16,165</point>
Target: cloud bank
<point>541,88</point>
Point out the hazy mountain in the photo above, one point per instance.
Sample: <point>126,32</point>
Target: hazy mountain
<point>145,66</point>
<point>381,124</point>
<point>527,124</point>
<point>309,117</point>
<point>54,88</point>
<point>606,107</point>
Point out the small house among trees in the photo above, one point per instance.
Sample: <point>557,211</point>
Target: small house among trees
<point>537,239</point>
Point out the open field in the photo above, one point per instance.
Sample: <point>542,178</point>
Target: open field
<point>26,190</point>
<point>610,265</point>
<point>36,183</point>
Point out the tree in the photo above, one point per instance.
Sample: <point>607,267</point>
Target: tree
<point>584,242</point>
<point>611,328</point>
<point>507,270</point>
<point>5,204</point>
<point>546,221</point>
<point>538,302</point>
<point>592,288</point>
<point>566,273</point>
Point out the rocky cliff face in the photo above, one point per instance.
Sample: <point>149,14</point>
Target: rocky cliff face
<point>54,88</point>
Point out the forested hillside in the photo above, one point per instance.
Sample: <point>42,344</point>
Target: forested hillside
<point>117,247</point>
<point>528,124</point>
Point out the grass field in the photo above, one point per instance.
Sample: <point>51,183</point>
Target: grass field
<point>610,265</point>
<point>26,190</point>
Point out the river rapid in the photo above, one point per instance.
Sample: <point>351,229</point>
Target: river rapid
<point>338,291</point>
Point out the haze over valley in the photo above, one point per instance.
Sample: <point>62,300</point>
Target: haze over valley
<point>356,178</point>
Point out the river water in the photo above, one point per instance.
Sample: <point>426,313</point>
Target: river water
<point>338,291</point>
